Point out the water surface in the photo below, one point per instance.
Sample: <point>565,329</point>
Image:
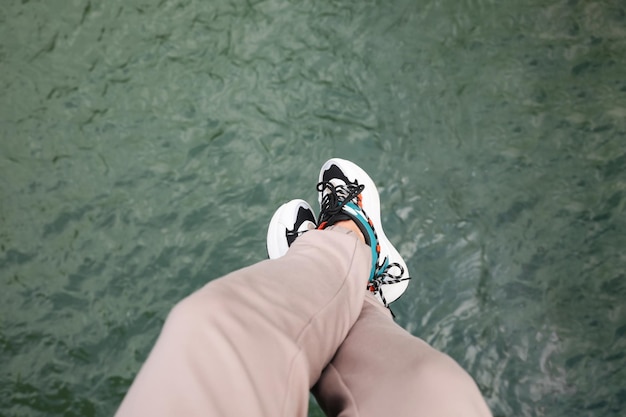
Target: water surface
<point>145,144</point>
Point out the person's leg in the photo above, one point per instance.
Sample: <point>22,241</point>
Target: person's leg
<point>382,370</point>
<point>254,342</point>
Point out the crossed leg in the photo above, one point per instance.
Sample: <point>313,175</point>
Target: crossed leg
<point>382,370</point>
<point>254,342</point>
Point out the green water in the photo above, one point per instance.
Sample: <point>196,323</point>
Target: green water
<point>144,146</point>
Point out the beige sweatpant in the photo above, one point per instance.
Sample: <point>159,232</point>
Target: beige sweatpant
<point>254,342</point>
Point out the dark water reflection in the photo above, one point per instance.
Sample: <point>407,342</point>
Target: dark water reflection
<point>144,146</point>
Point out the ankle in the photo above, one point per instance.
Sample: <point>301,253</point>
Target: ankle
<point>351,225</point>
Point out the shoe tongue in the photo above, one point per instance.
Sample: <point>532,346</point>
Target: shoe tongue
<point>305,220</point>
<point>304,215</point>
<point>340,187</point>
<point>334,173</point>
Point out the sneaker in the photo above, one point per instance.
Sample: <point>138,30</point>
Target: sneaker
<point>288,222</point>
<point>347,192</point>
